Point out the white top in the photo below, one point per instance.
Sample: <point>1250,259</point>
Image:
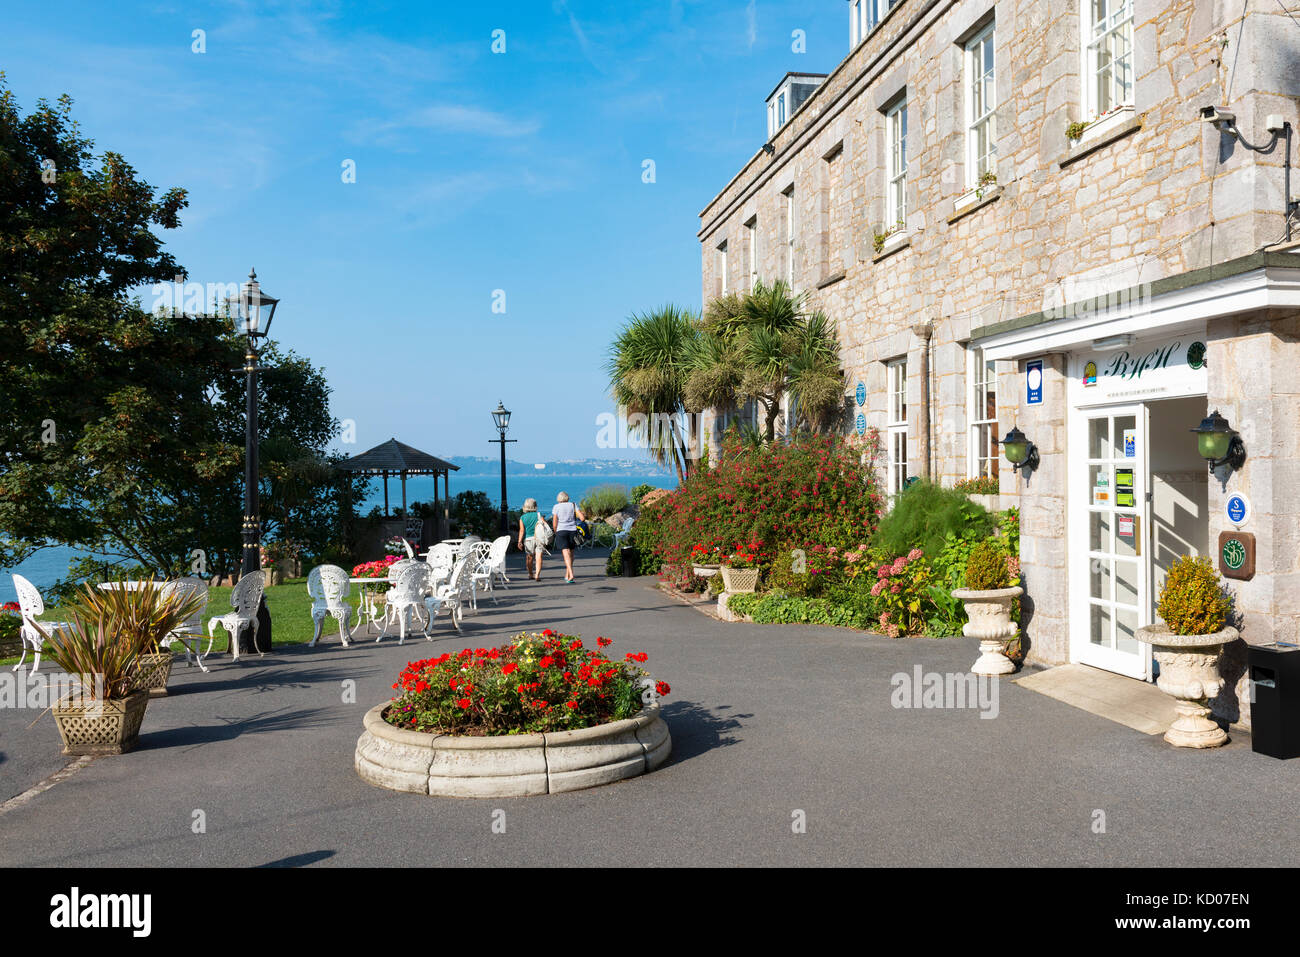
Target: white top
<point>564,516</point>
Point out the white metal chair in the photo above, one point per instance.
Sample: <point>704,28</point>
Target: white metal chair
<point>190,632</point>
<point>31,606</point>
<point>245,598</point>
<point>477,556</point>
<point>414,529</point>
<point>621,535</point>
<point>453,595</point>
<point>406,596</point>
<point>441,559</point>
<point>491,566</point>
<point>466,545</point>
<point>394,572</point>
<point>329,588</point>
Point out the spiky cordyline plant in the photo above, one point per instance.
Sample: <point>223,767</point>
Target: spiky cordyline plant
<point>109,629</point>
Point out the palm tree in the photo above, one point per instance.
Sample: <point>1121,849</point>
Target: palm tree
<point>647,368</point>
<point>765,346</point>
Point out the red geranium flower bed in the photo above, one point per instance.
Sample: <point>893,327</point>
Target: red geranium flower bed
<point>546,682</point>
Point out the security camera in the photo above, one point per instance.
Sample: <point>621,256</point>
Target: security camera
<point>1220,118</point>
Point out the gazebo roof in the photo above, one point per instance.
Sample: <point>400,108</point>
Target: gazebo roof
<point>394,458</point>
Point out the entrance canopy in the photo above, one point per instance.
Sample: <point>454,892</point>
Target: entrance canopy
<point>397,458</point>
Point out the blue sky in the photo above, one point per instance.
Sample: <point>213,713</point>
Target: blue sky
<point>475,172</point>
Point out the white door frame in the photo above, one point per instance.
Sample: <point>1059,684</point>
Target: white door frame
<point>1134,664</point>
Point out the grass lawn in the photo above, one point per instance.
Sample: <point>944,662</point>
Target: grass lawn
<point>289,605</point>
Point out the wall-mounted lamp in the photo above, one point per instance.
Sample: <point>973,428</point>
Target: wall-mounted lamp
<point>1020,452</point>
<point>769,149</point>
<point>1113,343</point>
<point>1218,443</point>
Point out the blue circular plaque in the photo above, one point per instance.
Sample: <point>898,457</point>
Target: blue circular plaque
<point>1238,509</point>
<point>861,424</point>
<point>861,394</point>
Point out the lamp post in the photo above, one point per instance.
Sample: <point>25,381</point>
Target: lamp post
<point>501,418</point>
<point>252,313</point>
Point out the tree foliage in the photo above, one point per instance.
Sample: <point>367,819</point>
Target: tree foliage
<point>122,431</point>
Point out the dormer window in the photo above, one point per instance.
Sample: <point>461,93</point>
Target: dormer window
<point>790,94</point>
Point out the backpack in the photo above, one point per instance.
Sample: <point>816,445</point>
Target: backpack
<point>543,533</point>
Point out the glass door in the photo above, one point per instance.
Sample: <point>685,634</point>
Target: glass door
<point>1109,569</point>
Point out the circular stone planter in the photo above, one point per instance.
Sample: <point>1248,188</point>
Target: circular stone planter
<point>990,621</point>
<point>449,765</point>
<point>1189,673</point>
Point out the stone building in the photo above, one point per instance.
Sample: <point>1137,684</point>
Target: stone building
<point>1070,217</point>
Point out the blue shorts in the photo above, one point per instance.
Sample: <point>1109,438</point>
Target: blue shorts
<point>564,539</point>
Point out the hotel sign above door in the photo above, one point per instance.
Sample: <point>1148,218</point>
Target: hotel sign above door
<point>1145,370</point>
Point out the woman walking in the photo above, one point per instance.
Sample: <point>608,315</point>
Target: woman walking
<point>565,516</point>
<point>528,538</point>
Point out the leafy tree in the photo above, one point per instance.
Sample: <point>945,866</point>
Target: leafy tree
<point>122,431</point>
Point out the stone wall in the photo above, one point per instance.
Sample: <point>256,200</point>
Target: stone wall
<point>1159,194</point>
<point>1169,195</point>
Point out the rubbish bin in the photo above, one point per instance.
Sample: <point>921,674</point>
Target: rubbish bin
<point>631,561</point>
<point>1275,708</point>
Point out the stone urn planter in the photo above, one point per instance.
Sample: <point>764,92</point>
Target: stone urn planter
<point>990,621</point>
<point>101,727</point>
<point>736,580</point>
<point>152,673</point>
<point>705,571</point>
<point>447,765</point>
<point>1189,673</point>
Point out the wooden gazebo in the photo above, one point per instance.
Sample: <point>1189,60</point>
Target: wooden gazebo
<point>397,458</point>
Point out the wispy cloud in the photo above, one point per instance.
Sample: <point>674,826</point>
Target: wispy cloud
<point>751,23</point>
<point>580,35</point>
<point>451,118</point>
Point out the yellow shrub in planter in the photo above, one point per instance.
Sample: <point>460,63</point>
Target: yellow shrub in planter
<point>1192,601</point>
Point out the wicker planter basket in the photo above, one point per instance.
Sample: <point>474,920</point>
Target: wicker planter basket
<point>152,673</point>
<point>107,727</point>
<point>736,580</point>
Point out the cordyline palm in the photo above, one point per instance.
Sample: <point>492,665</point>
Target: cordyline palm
<point>647,368</point>
<point>763,346</point>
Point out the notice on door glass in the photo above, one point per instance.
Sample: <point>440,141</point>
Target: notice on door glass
<point>1130,443</point>
<point>1125,526</point>
<point>1124,487</point>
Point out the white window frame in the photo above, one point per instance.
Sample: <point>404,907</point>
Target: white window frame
<point>982,432</point>
<point>896,165</point>
<point>789,236</point>
<point>1097,34</point>
<point>722,267</point>
<point>752,250</point>
<point>780,109</point>
<point>981,103</point>
<point>896,424</point>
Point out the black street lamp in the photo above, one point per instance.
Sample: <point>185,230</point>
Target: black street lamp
<point>501,418</point>
<point>252,313</point>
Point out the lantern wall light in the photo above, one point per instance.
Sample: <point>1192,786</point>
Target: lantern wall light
<point>1019,451</point>
<point>1218,443</point>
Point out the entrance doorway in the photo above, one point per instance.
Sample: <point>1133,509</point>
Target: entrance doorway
<point>1141,492</point>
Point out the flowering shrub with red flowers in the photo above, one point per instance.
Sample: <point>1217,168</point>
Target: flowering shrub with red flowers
<point>377,569</point>
<point>810,490</point>
<point>538,682</point>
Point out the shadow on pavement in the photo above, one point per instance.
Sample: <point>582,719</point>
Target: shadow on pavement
<point>696,730</point>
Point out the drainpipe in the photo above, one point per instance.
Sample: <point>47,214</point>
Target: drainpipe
<point>925,331</point>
